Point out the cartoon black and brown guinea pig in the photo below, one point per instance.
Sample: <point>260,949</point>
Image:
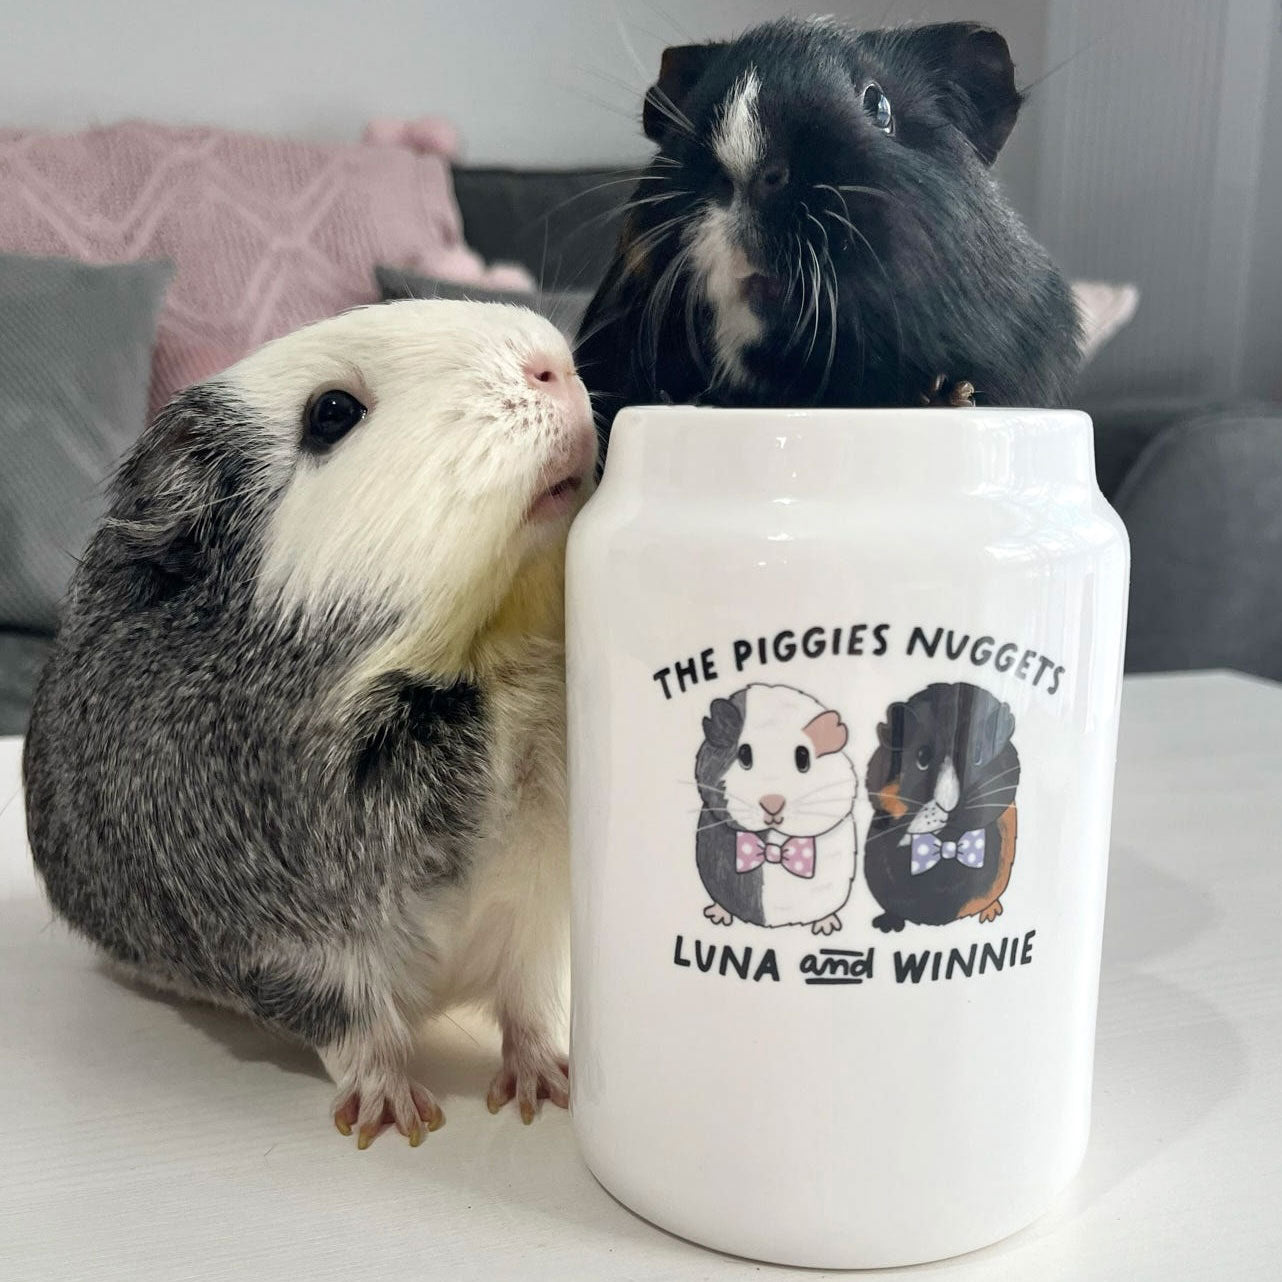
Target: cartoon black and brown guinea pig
<point>776,837</point>
<point>942,783</point>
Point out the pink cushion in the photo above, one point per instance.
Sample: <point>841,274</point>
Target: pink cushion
<point>265,234</point>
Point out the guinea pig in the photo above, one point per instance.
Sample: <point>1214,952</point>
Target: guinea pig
<point>819,226</point>
<point>775,845</point>
<point>942,783</point>
<point>299,746</point>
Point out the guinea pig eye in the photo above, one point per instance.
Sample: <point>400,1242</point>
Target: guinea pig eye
<point>745,755</point>
<point>330,416</point>
<point>802,758</point>
<point>877,105</point>
<point>924,757</point>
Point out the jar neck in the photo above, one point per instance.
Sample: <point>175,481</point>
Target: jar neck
<point>839,454</point>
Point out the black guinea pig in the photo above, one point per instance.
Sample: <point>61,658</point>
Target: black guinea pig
<point>942,783</point>
<point>819,226</point>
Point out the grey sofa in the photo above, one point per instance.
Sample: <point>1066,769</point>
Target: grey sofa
<point>1199,486</point>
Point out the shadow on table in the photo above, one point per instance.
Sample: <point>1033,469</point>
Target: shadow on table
<point>455,1056</point>
<point>245,1040</point>
<point>1165,1057</point>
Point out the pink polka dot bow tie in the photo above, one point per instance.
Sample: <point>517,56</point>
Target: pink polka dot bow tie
<point>928,850</point>
<point>797,854</point>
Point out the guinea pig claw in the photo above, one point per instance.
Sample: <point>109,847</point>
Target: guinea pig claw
<point>826,925</point>
<point>718,915</point>
<point>527,1080</point>
<point>404,1105</point>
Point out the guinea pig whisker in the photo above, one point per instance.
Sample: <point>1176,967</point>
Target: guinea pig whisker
<point>652,236</point>
<point>607,319</point>
<point>671,112</point>
<point>1010,770</point>
<point>692,337</point>
<point>830,283</point>
<point>657,305</point>
<point>835,789</point>
<point>588,191</point>
<point>899,328</point>
<point>985,798</point>
<point>721,787</point>
<point>641,201</point>
<point>863,191</point>
<point>814,337</point>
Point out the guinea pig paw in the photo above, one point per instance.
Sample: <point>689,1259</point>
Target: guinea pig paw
<point>827,925</point>
<point>886,922</point>
<point>717,915</point>
<point>369,1109</point>
<point>528,1078</point>
<point>992,912</point>
<point>947,393</point>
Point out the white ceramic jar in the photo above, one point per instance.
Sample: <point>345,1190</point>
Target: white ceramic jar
<point>843,711</point>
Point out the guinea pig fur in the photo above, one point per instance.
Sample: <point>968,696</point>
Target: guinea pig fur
<point>299,749</point>
<point>819,226</point>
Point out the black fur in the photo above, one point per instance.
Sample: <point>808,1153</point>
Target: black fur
<point>738,893</point>
<point>868,294</point>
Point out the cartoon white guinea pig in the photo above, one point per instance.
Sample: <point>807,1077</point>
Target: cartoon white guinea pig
<point>776,839</point>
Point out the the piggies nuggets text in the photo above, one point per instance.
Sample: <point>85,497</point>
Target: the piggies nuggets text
<point>857,641</point>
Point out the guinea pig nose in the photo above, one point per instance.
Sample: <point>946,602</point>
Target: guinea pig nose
<point>772,803</point>
<point>542,370</point>
<point>771,179</point>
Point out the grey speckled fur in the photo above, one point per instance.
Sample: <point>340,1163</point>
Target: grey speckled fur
<point>195,805</point>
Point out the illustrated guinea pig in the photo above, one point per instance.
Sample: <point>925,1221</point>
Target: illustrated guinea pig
<point>775,844</point>
<point>299,747</point>
<point>819,226</point>
<point>942,783</point>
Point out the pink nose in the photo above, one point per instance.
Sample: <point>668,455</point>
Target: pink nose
<point>552,374</point>
<point>772,803</point>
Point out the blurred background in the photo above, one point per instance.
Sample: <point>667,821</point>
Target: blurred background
<point>248,166</point>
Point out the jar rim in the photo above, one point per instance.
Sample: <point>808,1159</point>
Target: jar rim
<point>816,451</point>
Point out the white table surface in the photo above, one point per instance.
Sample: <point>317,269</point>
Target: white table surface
<point>148,1139</point>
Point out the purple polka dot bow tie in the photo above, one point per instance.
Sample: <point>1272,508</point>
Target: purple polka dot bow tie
<point>797,854</point>
<point>928,850</point>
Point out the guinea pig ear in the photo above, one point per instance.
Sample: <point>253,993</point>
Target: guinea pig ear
<point>170,493</point>
<point>827,732</point>
<point>991,733</point>
<point>974,63</point>
<point>679,68</point>
<point>723,724</point>
<point>890,733</point>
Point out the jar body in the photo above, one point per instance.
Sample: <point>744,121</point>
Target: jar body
<point>843,711</point>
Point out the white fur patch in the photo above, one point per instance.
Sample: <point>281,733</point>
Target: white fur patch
<point>738,139</point>
<point>720,267</point>
<point>421,509</point>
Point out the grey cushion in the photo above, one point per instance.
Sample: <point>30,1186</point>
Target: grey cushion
<point>561,224</point>
<point>564,308</point>
<point>1203,506</point>
<point>21,657</point>
<point>75,360</point>
<point>399,282</point>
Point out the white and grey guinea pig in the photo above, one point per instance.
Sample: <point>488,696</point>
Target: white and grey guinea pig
<point>299,747</point>
<point>776,838</point>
